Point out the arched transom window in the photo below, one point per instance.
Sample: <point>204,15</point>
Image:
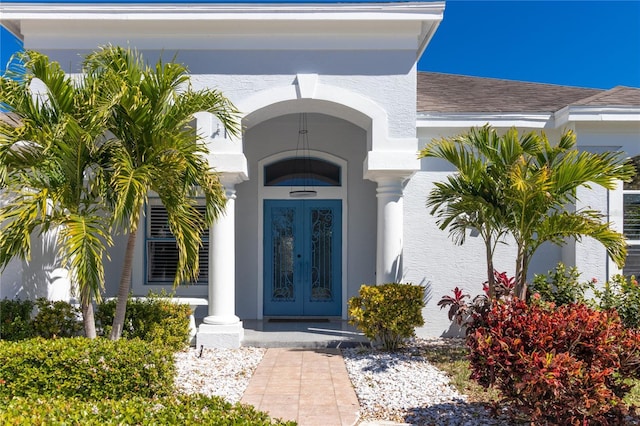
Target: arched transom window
<point>302,172</point>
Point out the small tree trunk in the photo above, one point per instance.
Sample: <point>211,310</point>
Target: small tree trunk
<point>88,320</point>
<point>123,289</point>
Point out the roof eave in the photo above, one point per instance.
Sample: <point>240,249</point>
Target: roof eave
<point>430,14</point>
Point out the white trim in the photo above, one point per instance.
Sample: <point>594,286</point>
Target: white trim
<point>364,26</point>
<point>596,113</point>
<point>466,120</point>
<point>227,11</point>
<point>220,12</point>
<point>282,193</point>
<point>615,217</point>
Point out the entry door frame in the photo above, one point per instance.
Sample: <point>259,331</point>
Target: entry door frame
<point>282,193</point>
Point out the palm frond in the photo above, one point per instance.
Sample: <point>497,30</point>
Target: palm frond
<point>83,239</point>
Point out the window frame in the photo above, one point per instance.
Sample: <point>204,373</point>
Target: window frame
<point>203,280</point>
<point>628,189</point>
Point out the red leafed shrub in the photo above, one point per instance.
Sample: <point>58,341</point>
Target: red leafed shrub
<point>556,365</point>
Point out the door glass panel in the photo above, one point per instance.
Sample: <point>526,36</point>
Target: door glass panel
<point>321,254</point>
<point>283,246</point>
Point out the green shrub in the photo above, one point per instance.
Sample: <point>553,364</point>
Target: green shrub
<point>623,295</point>
<point>154,319</point>
<point>170,410</point>
<point>560,286</point>
<point>56,319</point>
<point>557,365</point>
<point>388,313</point>
<point>85,368</point>
<point>15,319</point>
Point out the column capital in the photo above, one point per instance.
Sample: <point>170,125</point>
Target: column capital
<point>389,164</point>
<point>230,179</point>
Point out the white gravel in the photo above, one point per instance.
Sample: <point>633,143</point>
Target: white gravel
<point>404,387</point>
<point>220,372</point>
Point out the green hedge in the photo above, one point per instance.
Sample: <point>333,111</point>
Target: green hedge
<point>154,319</point>
<point>388,313</point>
<point>171,410</point>
<point>15,319</point>
<point>53,319</point>
<point>57,319</point>
<point>85,368</point>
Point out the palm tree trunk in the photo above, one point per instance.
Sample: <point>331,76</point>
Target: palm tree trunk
<point>123,289</point>
<point>88,320</point>
<point>520,288</point>
<point>491,281</point>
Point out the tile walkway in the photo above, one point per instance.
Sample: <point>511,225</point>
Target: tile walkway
<point>311,387</point>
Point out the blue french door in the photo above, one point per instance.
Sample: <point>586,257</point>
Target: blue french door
<point>302,257</point>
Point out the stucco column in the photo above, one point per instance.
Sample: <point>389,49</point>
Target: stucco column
<point>390,230</point>
<point>222,328</point>
<point>222,264</point>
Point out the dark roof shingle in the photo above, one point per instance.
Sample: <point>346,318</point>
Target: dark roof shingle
<point>618,96</point>
<point>441,93</point>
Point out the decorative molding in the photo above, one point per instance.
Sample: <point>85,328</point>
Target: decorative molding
<point>306,86</point>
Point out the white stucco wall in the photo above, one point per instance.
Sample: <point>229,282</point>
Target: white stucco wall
<point>383,76</point>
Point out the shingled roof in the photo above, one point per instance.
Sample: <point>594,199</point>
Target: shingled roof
<point>618,96</point>
<point>450,93</point>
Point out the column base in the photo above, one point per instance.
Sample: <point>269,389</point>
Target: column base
<point>227,336</point>
<point>221,319</point>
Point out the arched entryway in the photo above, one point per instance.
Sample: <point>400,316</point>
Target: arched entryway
<point>334,232</point>
<point>342,124</point>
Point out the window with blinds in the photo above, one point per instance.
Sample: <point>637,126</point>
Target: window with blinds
<point>631,222</point>
<point>161,249</point>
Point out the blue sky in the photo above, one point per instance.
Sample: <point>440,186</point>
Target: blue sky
<point>577,43</point>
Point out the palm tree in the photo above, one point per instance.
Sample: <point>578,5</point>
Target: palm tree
<point>159,152</point>
<point>50,172</point>
<point>521,186</point>
<point>469,199</point>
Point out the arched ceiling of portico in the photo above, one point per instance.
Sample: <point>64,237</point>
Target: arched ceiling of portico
<point>310,106</point>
